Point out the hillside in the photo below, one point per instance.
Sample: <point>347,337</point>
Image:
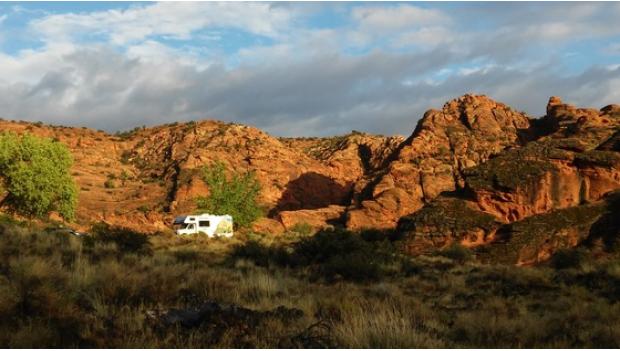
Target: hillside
<point>470,173</point>
<point>143,178</point>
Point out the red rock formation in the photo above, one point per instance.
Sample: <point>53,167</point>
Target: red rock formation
<point>466,132</point>
<point>160,168</point>
<point>564,169</point>
<point>546,186</point>
<point>316,219</point>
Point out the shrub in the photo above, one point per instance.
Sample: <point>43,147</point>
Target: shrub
<point>36,175</point>
<point>302,228</point>
<point>340,253</point>
<point>236,195</point>
<point>375,235</point>
<point>260,254</point>
<point>356,266</point>
<point>126,157</point>
<point>457,252</point>
<point>568,258</point>
<point>124,177</point>
<point>109,184</point>
<point>125,239</point>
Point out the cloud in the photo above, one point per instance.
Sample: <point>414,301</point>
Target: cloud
<point>328,94</point>
<point>396,18</point>
<point>177,20</point>
<point>374,22</point>
<point>115,69</point>
<point>612,49</point>
<point>426,37</point>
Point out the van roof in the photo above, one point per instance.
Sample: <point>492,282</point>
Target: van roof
<point>181,219</point>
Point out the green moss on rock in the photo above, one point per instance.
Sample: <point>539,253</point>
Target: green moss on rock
<point>524,239</point>
<point>506,173</point>
<point>598,158</point>
<point>445,220</point>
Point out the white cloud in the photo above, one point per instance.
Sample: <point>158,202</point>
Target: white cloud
<point>426,37</point>
<point>390,19</point>
<point>175,19</point>
<point>420,26</point>
<point>481,70</point>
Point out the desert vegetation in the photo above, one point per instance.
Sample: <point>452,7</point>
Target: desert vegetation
<point>235,194</point>
<point>334,289</point>
<point>35,176</point>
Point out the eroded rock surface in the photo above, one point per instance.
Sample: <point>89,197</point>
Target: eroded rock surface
<point>464,133</point>
<point>543,196</point>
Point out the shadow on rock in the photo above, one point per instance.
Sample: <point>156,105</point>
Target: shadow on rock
<point>311,191</point>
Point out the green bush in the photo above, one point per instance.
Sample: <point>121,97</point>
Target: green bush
<point>109,184</point>
<point>35,174</point>
<point>124,177</point>
<point>236,195</point>
<point>302,228</point>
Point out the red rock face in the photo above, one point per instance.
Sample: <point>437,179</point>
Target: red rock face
<point>564,169</point>
<point>466,132</point>
<point>548,186</point>
<point>162,167</point>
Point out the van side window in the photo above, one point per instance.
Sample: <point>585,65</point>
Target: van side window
<point>204,224</point>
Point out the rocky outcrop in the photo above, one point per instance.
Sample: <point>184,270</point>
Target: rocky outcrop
<point>445,221</point>
<point>569,167</point>
<point>542,196</point>
<point>466,132</point>
<point>535,239</point>
<point>316,219</point>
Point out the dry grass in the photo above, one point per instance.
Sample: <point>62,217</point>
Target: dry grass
<point>64,291</point>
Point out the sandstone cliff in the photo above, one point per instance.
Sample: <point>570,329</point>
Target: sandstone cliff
<point>465,133</point>
<point>554,179</point>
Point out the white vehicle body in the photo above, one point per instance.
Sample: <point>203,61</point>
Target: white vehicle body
<point>205,223</point>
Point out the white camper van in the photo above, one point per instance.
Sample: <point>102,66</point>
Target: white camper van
<point>205,223</point>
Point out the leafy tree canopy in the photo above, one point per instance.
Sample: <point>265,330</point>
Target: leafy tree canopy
<point>236,195</point>
<point>35,176</point>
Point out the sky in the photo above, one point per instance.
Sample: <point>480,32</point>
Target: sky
<point>298,69</point>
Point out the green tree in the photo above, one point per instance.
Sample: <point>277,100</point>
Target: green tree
<point>236,195</point>
<point>35,178</point>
